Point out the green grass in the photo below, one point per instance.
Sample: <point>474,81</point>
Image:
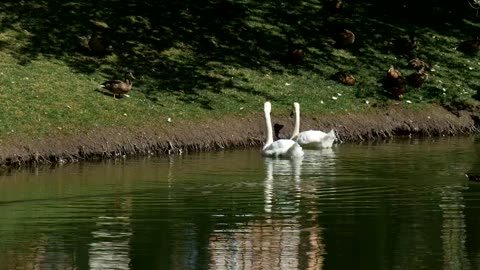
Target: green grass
<point>191,63</point>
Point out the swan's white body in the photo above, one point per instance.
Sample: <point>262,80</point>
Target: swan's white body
<point>279,148</point>
<point>311,139</point>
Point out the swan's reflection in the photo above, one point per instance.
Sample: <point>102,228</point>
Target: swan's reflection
<point>284,170</point>
<point>312,163</point>
<point>288,235</point>
<point>319,161</point>
<point>110,248</point>
<point>272,241</point>
<point>281,172</point>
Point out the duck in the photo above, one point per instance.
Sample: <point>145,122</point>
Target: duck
<point>393,73</point>
<point>335,6</point>
<point>229,10</point>
<point>470,47</point>
<point>311,139</point>
<point>344,39</point>
<point>344,78</point>
<point>97,44</point>
<point>395,83</point>
<point>296,55</point>
<point>119,87</point>
<point>283,148</point>
<point>473,177</point>
<point>417,78</point>
<point>418,64</point>
<point>276,130</point>
<point>338,4</point>
<point>296,52</point>
<point>407,45</point>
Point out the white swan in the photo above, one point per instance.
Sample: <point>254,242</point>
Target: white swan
<point>278,148</point>
<point>311,139</point>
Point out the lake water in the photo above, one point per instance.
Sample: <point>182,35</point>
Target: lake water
<point>402,204</point>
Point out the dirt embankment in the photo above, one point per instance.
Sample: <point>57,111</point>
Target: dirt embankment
<point>215,134</point>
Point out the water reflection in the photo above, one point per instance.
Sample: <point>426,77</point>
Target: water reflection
<point>397,205</point>
<point>288,170</point>
<point>279,239</point>
<point>110,247</point>
<point>453,229</point>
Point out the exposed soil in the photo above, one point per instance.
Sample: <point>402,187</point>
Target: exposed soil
<point>216,134</point>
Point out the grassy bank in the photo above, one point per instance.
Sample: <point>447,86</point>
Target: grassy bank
<point>201,62</point>
<point>232,131</point>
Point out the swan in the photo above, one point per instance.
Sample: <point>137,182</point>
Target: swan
<point>311,139</point>
<point>279,148</point>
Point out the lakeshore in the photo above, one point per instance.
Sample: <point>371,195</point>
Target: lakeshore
<point>201,77</point>
<point>395,120</point>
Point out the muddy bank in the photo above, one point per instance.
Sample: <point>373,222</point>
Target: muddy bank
<point>215,134</point>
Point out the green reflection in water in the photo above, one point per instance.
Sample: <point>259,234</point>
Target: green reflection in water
<point>395,205</point>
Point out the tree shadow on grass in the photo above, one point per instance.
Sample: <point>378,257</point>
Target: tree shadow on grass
<point>175,42</point>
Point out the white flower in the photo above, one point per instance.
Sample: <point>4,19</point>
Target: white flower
<point>339,94</point>
<point>287,84</point>
<point>367,102</point>
<point>334,98</point>
<point>408,101</point>
<point>169,119</point>
<point>321,101</point>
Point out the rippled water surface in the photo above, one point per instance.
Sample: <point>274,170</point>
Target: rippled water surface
<point>398,205</point>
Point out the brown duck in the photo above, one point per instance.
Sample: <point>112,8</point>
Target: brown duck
<point>119,87</point>
<point>276,130</point>
<point>395,83</point>
<point>345,78</point>
<point>419,64</point>
<point>229,10</point>
<point>335,6</point>
<point>296,55</point>
<point>344,39</point>
<point>407,45</point>
<point>417,78</point>
<point>296,52</point>
<point>97,43</point>
<point>471,46</point>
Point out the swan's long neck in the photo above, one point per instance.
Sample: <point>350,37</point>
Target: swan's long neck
<point>296,127</point>
<point>268,123</point>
